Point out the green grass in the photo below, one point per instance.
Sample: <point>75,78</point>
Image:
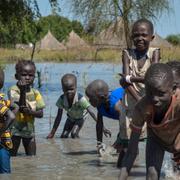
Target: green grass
<point>76,55</point>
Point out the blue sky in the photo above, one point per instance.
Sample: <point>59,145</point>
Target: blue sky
<point>165,25</point>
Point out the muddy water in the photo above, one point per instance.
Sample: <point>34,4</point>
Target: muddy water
<point>69,159</point>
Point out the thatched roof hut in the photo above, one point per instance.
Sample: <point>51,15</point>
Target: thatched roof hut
<point>158,41</point>
<point>49,42</point>
<point>74,41</point>
<point>112,37</point>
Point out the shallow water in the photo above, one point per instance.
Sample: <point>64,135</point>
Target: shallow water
<point>68,159</point>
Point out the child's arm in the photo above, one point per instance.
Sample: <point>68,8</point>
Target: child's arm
<point>34,113</point>
<point>56,123</point>
<point>128,86</point>
<point>105,131</point>
<point>156,56</point>
<point>130,155</point>
<point>9,118</point>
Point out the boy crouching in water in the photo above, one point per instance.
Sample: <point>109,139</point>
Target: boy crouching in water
<point>108,104</point>
<point>160,108</point>
<point>77,107</point>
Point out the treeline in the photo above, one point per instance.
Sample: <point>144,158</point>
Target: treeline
<point>20,23</point>
<point>174,39</point>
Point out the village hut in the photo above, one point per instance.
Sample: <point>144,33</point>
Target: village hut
<point>49,42</point>
<point>158,41</point>
<point>74,41</point>
<point>113,37</point>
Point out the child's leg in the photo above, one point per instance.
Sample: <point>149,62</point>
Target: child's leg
<point>154,159</point>
<point>77,127</point>
<point>67,128</point>
<point>29,146</point>
<point>5,166</point>
<point>16,140</point>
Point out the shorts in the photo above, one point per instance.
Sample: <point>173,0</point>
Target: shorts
<point>5,166</point>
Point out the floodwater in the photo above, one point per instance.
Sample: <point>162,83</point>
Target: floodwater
<point>71,159</point>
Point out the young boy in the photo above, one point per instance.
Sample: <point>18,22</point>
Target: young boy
<point>6,119</point>
<point>160,108</point>
<point>108,104</point>
<point>135,63</point>
<point>77,108</point>
<point>175,66</point>
<point>31,106</point>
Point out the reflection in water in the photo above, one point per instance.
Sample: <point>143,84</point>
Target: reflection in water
<point>68,159</point>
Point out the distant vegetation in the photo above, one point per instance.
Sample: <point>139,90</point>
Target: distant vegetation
<point>174,39</point>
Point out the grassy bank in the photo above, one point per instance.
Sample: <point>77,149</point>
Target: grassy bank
<point>74,55</point>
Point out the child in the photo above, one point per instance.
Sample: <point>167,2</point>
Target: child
<point>175,66</point>
<point>135,63</point>
<point>107,103</point>
<point>31,106</point>
<point>77,108</point>
<point>160,108</point>
<point>6,119</point>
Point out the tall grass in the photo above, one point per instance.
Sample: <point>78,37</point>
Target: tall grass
<point>82,55</point>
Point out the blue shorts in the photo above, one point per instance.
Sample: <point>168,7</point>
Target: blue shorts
<point>5,166</point>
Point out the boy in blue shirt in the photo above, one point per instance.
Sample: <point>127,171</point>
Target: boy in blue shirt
<point>108,103</point>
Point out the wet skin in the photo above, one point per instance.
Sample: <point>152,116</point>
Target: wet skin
<point>69,89</point>
<point>160,95</point>
<point>26,76</point>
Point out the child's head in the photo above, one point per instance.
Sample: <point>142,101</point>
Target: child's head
<point>1,78</point>
<point>142,34</point>
<point>69,85</point>
<point>25,71</point>
<point>159,85</point>
<point>97,92</point>
<point>175,66</point>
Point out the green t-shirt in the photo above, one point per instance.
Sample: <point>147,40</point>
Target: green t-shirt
<point>78,108</point>
<point>24,124</point>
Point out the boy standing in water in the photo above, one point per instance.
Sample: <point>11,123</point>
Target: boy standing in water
<point>108,104</point>
<point>135,64</point>
<point>77,108</point>
<point>6,119</point>
<point>160,108</point>
<point>31,106</point>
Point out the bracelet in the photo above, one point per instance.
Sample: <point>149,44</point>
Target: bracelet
<point>128,79</point>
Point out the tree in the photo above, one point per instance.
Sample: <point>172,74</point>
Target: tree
<point>174,39</point>
<point>129,10</point>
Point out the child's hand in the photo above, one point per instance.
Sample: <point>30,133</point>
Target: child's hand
<point>107,132</point>
<point>25,110</point>
<point>22,85</point>
<point>176,158</point>
<point>50,136</point>
<point>122,81</point>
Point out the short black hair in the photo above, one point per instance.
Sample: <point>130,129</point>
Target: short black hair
<point>23,62</point>
<point>146,21</point>
<point>67,77</point>
<point>175,66</point>
<point>159,73</point>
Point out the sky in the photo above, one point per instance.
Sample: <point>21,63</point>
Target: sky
<point>167,24</point>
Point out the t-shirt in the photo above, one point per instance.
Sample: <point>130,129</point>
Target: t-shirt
<point>5,139</point>
<point>24,124</point>
<point>167,133</point>
<point>77,110</point>
<point>114,97</point>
